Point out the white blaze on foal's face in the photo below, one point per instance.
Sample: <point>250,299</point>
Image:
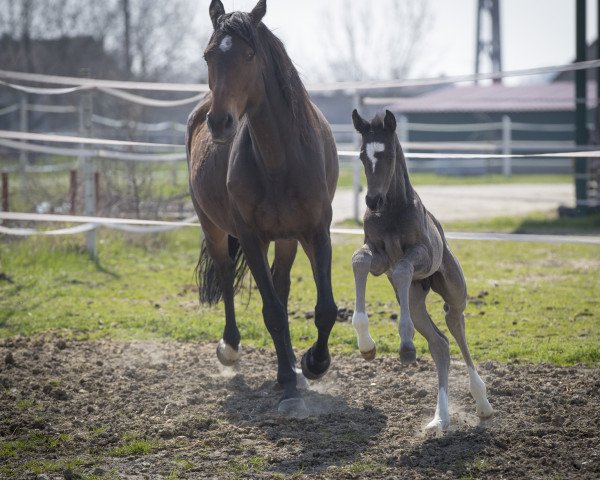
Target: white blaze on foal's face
<point>226,43</point>
<point>371,149</point>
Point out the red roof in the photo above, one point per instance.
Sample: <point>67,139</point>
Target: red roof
<point>559,96</point>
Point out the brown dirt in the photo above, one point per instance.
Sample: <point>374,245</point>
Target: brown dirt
<point>203,421</point>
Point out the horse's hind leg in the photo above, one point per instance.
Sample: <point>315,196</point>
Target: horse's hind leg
<point>361,265</point>
<point>218,246</point>
<point>449,282</point>
<point>438,346</point>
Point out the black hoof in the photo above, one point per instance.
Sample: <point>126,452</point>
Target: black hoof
<point>293,407</point>
<point>408,355</point>
<point>312,369</point>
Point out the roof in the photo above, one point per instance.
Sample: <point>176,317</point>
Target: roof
<point>551,97</point>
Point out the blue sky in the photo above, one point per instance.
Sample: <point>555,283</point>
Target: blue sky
<point>535,33</point>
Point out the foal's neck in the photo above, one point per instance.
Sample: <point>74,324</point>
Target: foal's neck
<point>401,191</point>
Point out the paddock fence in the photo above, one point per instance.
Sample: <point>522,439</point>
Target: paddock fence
<point>78,175</point>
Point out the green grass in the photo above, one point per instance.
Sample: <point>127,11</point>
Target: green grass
<point>138,446</point>
<point>537,302</point>
<point>422,178</point>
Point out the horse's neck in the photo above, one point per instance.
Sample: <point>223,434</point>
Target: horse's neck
<point>272,131</point>
<point>401,191</point>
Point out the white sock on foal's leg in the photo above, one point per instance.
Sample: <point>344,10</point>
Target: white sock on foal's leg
<point>441,420</point>
<point>478,390</point>
<point>227,354</point>
<point>366,344</point>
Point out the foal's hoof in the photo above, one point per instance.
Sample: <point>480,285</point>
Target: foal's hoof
<point>438,424</point>
<point>408,354</point>
<point>226,354</point>
<point>311,368</point>
<point>368,356</point>
<point>293,407</point>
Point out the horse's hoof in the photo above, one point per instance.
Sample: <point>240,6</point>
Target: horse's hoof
<point>438,424</point>
<point>293,407</point>
<point>312,369</point>
<point>485,410</point>
<point>301,381</point>
<point>408,354</point>
<point>226,354</point>
<point>368,356</point>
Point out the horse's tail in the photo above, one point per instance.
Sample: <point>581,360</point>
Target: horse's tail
<point>210,288</point>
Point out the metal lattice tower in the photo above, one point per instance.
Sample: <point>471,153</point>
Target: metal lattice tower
<point>489,48</point>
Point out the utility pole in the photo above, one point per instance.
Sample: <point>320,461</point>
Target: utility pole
<point>490,48</point>
<point>581,132</point>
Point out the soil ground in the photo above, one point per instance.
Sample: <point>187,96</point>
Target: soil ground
<point>147,409</point>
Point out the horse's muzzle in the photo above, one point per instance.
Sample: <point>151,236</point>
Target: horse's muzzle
<point>375,202</point>
<point>222,126</point>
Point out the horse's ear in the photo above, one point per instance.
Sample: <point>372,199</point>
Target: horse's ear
<point>215,11</point>
<point>360,124</point>
<point>259,11</point>
<point>389,122</point>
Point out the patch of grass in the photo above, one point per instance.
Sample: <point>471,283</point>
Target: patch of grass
<point>535,302</point>
<point>51,466</point>
<point>346,176</point>
<point>134,447</point>
<point>27,404</point>
<point>32,442</point>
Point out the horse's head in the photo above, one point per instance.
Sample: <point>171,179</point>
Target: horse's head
<point>378,155</point>
<point>234,71</point>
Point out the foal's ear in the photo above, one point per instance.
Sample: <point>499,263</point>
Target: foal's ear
<point>259,11</point>
<point>215,11</point>
<point>360,124</point>
<point>389,122</point>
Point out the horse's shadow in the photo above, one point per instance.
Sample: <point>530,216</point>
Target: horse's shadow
<point>334,433</point>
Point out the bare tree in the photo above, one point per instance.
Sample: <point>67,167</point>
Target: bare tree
<point>374,40</point>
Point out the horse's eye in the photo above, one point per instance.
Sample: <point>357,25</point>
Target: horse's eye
<point>249,55</point>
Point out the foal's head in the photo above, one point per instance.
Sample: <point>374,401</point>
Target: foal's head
<point>378,155</point>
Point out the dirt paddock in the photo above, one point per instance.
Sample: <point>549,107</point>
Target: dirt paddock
<point>106,409</point>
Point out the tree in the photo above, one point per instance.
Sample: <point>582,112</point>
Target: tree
<point>374,40</point>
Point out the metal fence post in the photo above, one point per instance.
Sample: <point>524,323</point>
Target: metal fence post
<point>356,187</point>
<point>506,148</point>
<point>87,166</point>
<point>24,156</point>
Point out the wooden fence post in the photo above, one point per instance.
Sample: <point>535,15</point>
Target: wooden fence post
<point>73,191</point>
<point>5,204</point>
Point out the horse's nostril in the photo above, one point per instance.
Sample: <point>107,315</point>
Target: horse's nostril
<point>229,121</point>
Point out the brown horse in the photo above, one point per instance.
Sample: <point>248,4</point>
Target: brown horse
<point>263,168</point>
<point>406,242</point>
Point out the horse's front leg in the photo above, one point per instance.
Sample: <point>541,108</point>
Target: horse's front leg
<point>276,320</point>
<point>415,262</point>
<point>316,361</point>
<point>363,262</point>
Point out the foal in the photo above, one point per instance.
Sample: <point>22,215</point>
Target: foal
<point>405,241</point>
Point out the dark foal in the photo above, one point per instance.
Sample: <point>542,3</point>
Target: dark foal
<point>404,241</point>
<point>263,168</point>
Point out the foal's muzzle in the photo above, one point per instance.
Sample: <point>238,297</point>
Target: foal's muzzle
<point>222,126</point>
<point>374,202</point>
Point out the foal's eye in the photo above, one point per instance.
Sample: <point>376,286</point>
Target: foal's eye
<point>249,55</point>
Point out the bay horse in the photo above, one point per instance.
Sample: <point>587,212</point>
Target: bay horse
<point>263,168</point>
<point>406,242</point>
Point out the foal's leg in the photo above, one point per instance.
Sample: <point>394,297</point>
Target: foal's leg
<point>316,361</point>
<point>449,282</point>
<point>276,321</point>
<point>217,244</point>
<point>438,346</point>
<point>415,262</point>
<point>363,262</point>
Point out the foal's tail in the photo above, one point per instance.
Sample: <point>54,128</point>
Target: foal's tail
<point>210,288</point>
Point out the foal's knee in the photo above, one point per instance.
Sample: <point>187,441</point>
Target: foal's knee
<point>361,261</point>
<point>402,272</point>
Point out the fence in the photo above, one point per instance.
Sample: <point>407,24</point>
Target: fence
<point>84,154</point>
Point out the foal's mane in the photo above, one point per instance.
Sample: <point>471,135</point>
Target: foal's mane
<point>277,62</point>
